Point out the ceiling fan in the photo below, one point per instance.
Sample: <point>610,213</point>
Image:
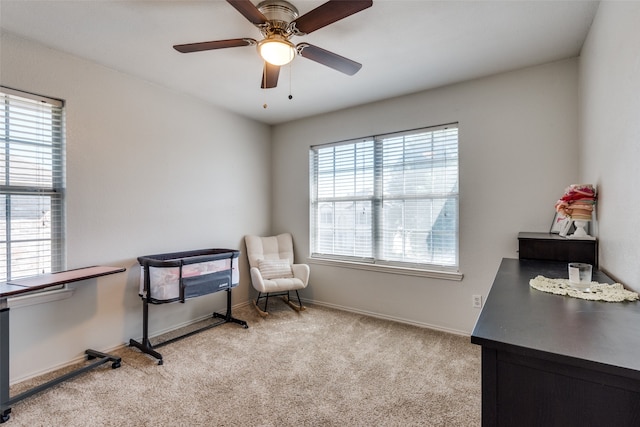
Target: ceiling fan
<point>278,22</point>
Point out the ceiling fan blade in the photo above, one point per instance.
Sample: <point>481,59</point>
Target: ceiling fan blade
<point>328,13</point>
<point>330,59</point>
<point>217,44</point>
<point>249,11</point>
<point>270,76</point>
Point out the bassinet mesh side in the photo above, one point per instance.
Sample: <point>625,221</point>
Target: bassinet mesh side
<point>178,276</point>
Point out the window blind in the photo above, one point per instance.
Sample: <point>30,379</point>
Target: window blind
<point>389,199</point>
<point>343,198</point>
<point>31,184</point>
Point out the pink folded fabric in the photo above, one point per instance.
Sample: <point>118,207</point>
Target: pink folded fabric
<point>577,202</point>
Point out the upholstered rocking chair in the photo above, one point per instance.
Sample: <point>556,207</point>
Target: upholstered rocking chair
<point>273,272</point>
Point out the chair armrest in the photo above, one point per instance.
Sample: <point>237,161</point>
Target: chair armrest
<point>301,271</point>
<point>256,279</point>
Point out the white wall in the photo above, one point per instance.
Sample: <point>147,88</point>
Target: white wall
<point>518,144</point>
<point>610,134</point>
<point>152,171</point>
<point>148,171</point>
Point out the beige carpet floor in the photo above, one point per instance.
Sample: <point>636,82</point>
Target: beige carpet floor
<point>320,367</point>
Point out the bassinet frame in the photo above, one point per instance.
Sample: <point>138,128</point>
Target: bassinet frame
<point>190,287</point>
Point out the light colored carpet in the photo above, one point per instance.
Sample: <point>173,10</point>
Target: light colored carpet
<point>320,367</point>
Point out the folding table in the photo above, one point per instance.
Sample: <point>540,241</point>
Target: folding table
<point>32,284</point>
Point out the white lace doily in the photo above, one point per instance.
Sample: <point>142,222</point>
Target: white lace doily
<point>596,291</point>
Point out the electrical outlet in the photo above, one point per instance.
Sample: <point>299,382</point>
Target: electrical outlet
<point>477,301</point>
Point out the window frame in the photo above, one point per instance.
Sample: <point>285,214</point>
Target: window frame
<point>53,190</point>
<point>376,261</point>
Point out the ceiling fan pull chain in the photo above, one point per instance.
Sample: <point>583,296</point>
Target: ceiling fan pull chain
<point>290,72</point>
<point>264,84</point>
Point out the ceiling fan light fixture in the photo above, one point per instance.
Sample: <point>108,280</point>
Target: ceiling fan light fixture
<point>278,21</point>
<point>277,50</point>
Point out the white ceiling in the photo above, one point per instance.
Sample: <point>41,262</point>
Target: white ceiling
<point>404,46</point>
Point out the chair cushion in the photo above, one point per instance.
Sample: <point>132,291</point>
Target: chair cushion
<point>275,268</point>
<point>279,285</point>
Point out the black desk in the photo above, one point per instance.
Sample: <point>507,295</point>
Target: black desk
<point>550,360</point>
<point>32,284</point>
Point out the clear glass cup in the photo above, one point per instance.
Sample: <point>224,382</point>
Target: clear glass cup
<point>580,275</point>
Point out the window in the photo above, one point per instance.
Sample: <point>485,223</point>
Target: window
<point>31,185</point>
<point>390,199</point>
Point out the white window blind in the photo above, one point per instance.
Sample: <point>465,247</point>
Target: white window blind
<point>390,199</point>
<point>31,185</point>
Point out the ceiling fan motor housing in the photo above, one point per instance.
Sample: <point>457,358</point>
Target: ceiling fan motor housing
<point>279,14</point>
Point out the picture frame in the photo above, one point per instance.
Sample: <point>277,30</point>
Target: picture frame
<point>560,225</point>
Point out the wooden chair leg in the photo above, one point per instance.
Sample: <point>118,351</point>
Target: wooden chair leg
<point>298,307</point>
<point>261,312</point>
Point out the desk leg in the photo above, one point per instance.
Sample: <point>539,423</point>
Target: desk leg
<point>5,400</point>
<point>5,409</point>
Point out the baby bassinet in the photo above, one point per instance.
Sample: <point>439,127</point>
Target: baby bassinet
<point>178,276</point>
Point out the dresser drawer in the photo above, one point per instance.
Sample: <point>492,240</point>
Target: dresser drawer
<point>552,247</point>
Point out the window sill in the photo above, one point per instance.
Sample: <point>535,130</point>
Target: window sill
<point>390,269</point>
<point>39,298</point>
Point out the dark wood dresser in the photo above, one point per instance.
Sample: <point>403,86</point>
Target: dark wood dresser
<point>553,247</point>
<point>551,360</point>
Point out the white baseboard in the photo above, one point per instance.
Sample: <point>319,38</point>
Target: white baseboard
<point>82,357</point>
<point>74,361</point>
<point>109,350</point>
<point>385,317</point>
<point>190,322</point>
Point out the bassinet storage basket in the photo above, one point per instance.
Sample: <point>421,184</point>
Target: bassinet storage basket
<point>178,276</point>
